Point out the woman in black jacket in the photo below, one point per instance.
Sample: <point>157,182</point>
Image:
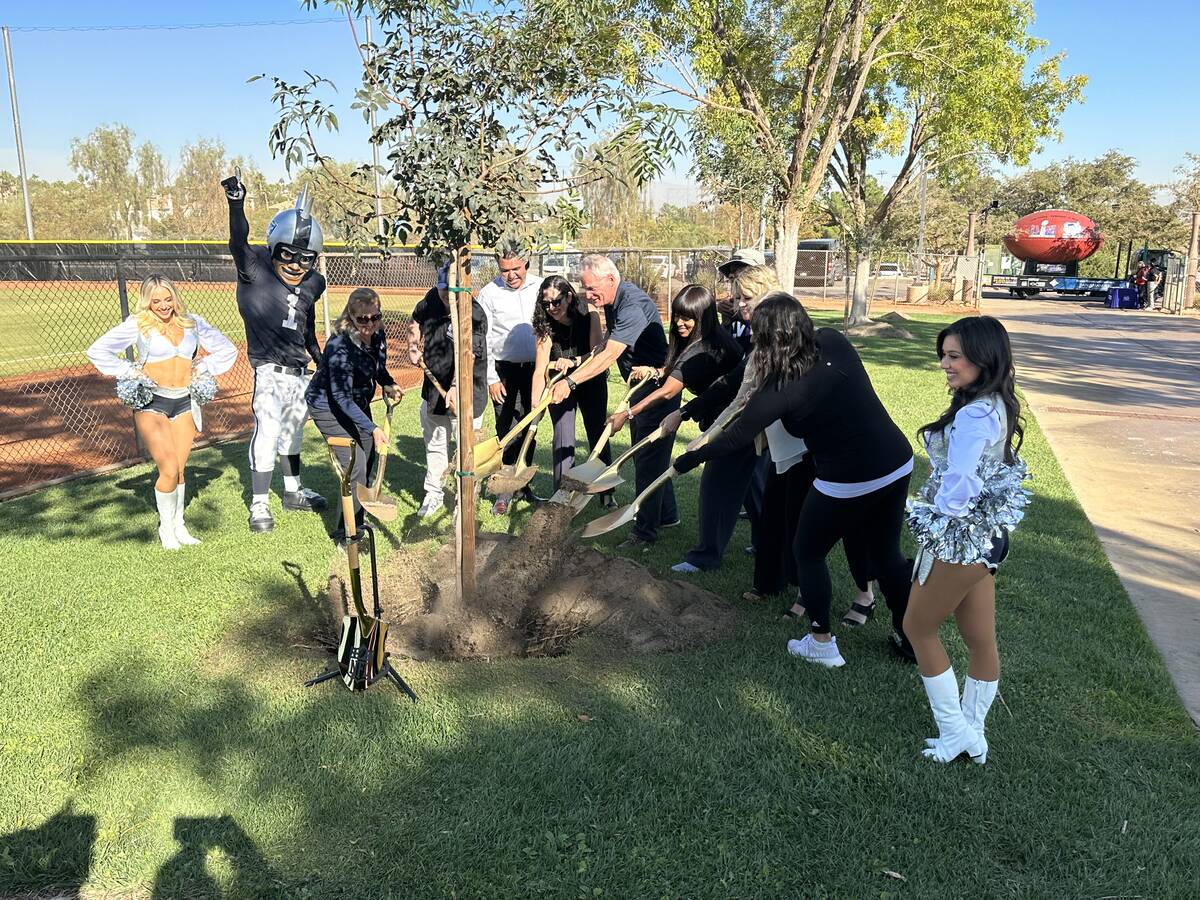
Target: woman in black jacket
<point>339,397</point>
<point>813,382</point>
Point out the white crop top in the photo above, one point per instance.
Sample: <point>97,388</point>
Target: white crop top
<point>154,347</point>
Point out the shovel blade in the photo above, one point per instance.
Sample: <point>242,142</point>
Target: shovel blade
<point>383,510</point>
<point>607,483</point>
<point>611,521</point>
<point>510,479</point>
<point>367,494</point>
<point>578,477</point>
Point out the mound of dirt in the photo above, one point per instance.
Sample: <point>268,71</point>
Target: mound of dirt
<point>537,592</point>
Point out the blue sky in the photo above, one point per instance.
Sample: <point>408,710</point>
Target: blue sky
<point>173,86</point>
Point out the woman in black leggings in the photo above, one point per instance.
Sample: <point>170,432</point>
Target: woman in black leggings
<point>815,384</point>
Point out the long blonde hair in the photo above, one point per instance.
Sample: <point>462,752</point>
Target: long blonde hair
<point>360,299</point>
<point>147,321</point>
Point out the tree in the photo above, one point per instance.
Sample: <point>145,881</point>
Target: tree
<point>125,178</point>
<point>197,212</point>
<point>922,109</point>
<point>478,104</point>
<point>64,210</point>
<point>795,71</point>
<point>731,169</point>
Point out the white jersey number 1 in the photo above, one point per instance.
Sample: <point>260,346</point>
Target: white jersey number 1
<point>290,321</point>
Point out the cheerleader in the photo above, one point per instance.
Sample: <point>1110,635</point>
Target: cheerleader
<point>166,387</point>
<point>961,520</point>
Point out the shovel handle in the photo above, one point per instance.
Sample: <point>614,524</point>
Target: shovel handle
<point>529,432</point>
<point>624,457</point>
<point>437,384</point>
<point>622,406</point>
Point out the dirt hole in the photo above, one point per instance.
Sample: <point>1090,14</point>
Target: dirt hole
<point>538,592</point>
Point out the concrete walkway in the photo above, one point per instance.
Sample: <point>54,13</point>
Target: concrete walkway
<point>1117,394</point>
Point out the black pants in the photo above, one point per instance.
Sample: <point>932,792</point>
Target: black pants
<point>591,399</point>
<point>517,379</point>
<point>774,561</point>
<point>648,463</point>
<point>877,518</point>
<point>723,488</point>
<point>333,423</point>
<point>755,495</point>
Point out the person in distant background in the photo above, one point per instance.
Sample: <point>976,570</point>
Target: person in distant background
<point>1153,284</point>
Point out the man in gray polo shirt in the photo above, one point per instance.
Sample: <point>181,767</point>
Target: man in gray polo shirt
<point>635,338</point>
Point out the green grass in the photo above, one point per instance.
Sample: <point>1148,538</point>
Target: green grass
<point>156,738</point>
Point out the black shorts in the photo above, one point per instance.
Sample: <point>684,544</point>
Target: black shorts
<point>171,407</point>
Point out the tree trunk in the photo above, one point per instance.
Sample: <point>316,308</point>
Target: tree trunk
<point>460,293</point>
<point>787,236</point>
<point>860,301</point>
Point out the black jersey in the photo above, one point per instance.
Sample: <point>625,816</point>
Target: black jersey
<point>280,320</point>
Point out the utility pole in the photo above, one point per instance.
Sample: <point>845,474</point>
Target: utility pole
<point>921,227</point>
<point>375,146</point>
<point>968,289</point>
<point>1189,288</point>
<point>12,93</point>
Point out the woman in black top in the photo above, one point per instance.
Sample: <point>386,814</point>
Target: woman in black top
<point>815,384</point>
<point>567,330</point>
<point>700,352</point>
<point>339,396</point>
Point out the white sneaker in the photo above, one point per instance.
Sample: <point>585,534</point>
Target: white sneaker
<point>814,651</point>
<point>685,568</point>
<point>430,506</point>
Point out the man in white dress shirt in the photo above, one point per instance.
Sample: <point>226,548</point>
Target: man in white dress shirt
<point>509,302</point>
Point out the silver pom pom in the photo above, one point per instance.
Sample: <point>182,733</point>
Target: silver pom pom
<point>966,540</point>
<point>135,390</point>
<point>203,388</point>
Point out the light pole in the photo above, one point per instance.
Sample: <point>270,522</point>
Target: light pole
<point>12,93</point>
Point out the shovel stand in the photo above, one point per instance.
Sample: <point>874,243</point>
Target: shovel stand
<point>385,670</point>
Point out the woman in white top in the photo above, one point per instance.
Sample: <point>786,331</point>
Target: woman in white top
<point>167,340</point>
<point>961,521</point>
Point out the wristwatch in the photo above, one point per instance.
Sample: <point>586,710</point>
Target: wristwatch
<point>570,383</point>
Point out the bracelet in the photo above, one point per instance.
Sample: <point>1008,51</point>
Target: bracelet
<point>571,384</point>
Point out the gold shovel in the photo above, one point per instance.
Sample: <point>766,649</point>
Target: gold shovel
<point>627,514</point>
<point>511,478</point>
<point>610,478</point>
<point>594,467</point>
<point>382,508</point>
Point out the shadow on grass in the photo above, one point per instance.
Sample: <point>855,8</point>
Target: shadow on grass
<point>188,873</point>
<point>56,855</point>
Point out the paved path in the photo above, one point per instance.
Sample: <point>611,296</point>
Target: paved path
<point>1117,394</point>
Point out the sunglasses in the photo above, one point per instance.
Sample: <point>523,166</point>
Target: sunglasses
<point>305,258</point>
<point>369,320</point>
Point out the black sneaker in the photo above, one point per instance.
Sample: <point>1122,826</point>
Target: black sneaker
<point>669,524</point>
<point>303,500</point>
<point>901,647</point>
<point>608,501</point>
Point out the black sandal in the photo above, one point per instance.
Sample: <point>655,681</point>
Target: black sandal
<point>866,610</point>
<point>790,612</point>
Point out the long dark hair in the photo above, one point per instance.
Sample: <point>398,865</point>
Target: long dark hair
<point>985,343</point>
<point>695,302</point>
<point>785,341</point>
<point>577,307</point>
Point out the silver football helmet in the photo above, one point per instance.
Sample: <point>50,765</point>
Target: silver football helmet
<point>296,227</point>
